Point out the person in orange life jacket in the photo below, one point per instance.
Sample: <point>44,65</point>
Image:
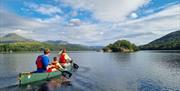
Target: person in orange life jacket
<point>42,62</point>
<point>64,59</point>
<point>54,65</point>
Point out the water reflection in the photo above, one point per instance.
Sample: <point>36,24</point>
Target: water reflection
<point>48,85</point>
<point>54,84</point>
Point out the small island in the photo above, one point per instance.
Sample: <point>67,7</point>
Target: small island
<point>121,46</point>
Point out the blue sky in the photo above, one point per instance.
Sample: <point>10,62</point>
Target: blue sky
<point>90,22</point>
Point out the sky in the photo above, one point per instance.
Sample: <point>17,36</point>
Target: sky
<point>90,22</point>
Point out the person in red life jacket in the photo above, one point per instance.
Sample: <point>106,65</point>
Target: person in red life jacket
<point>42,62</point>
<point>54,66</point>
<point>64,59</point>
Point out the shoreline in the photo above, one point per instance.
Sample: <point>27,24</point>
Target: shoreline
<point>83,51</point>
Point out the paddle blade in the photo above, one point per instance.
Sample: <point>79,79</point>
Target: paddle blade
<point>66,74</point>
<point>75,66</point>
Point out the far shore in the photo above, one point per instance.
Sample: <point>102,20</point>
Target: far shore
<point>82,51</point>
<point>41,51</point>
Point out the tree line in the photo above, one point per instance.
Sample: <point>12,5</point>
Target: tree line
<point>37,46</point>
<point>121,46</point>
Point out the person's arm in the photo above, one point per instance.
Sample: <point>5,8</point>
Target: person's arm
<point>68,59</point>
<point>60,66</point>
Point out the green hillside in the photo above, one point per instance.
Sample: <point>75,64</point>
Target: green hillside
<point>13,43</point>
<point>12,38</point>
<point>170,41</point>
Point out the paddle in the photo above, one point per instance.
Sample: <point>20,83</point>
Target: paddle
<point>75,66</point>
<point>66,74</point>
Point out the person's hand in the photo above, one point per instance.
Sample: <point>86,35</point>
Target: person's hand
<point>70,61</point>
<point>49,66</point>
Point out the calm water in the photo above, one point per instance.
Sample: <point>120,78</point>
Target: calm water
<point>140,71</point>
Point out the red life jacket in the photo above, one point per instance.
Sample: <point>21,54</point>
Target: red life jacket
<point>62,58</point>
<point>39,62</point>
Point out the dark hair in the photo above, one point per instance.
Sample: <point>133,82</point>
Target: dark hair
<point>55,58</point>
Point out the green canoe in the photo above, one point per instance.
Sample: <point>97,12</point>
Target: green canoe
<point>28,77</point>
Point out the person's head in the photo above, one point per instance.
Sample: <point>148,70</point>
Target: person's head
<point>64,50</point>
<point>46,51</point>
<point>55,58</point>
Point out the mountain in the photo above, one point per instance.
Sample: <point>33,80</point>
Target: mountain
<point>97,48</point>
<point>56,42</point>
<point>13,42</point>
<point>170,41</point>
<point>12,38</point>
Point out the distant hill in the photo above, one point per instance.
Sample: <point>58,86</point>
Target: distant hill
<point>14,42</point>
<point>170,41</point>
<point>12,38</point>
<point>56,42</point>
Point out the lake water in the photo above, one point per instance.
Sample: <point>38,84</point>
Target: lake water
<point>139,71</point>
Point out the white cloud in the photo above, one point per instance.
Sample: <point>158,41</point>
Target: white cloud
<point>134,15</point>
<point>55,19</point>
<point>10,20</point>
<point>75,22</point>
<point>139,31</point>
<point>105,10</point>
<point>44,8</point>
<point>150,28</point>
<point>20,31</point>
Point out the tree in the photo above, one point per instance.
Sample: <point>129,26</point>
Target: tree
<point>121,46</point>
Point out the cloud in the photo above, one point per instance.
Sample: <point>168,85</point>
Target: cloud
<point>108,11</point>
<point>23,32</point>
<point>139,31</point>
<point>45,9</point>
<point>14,21</point>
<point>75,30</point>
<point>56,19</point>
<point>134,15</point>
<point>151,10</point>
<point>75,22</point>
<point>153,26</point>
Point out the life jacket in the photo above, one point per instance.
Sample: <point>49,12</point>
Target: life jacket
<point>39,63</point>
<point>62,58</point>
<point>54,64</point>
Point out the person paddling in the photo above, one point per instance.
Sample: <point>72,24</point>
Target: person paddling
<point>42,61</point>
<point>64,59</point>
<point>54,66</point>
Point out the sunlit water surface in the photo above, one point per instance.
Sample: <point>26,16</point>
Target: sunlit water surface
<point>139,71</point>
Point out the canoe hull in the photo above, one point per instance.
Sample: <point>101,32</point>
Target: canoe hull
<point>25,78</point>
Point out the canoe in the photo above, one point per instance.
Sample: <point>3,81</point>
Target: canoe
<point>29,77</point>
